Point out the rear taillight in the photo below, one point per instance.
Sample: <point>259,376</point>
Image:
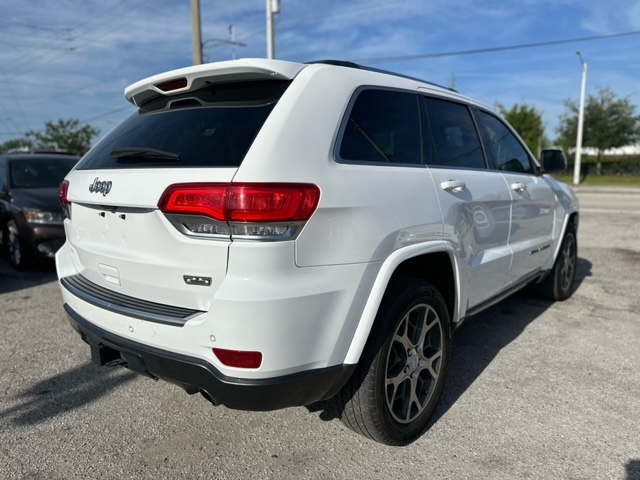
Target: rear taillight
<point>253,210</point>
<point>63,191</point>
<point>271,203</point>
<point>205,199</point>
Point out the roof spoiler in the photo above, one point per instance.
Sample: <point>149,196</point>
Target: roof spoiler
<point>192,78</point>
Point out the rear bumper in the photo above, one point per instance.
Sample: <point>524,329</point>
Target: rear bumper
<point>195,375</point>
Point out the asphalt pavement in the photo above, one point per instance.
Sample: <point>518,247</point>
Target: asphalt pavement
<point>537,390</point>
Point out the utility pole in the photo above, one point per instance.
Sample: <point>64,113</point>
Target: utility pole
<point>273,7</point>
<point>231,42</point>
<point>232,32</point>
<point>576,165</point>
<point>197,32</point>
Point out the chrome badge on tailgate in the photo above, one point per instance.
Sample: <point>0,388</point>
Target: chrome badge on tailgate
<point>99,186</point>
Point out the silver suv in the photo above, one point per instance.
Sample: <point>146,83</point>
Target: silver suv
<point>272,234</point>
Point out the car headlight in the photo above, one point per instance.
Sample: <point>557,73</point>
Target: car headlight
<point>33,215</point>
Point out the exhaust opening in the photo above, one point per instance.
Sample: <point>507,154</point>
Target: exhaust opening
<point>206,395</point>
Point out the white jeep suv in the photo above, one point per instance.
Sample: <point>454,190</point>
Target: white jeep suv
<point>273,234</point>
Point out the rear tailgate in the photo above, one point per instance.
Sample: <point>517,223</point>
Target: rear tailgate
<point>194,125</point>
<point>121,241</point>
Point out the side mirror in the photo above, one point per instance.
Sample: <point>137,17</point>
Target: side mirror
<point>553,160</point>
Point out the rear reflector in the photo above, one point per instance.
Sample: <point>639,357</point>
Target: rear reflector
<point>176,84</point>
<point>242,202</point>
<point>238,358</point>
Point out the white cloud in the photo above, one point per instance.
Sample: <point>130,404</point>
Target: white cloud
<point>73,58</point>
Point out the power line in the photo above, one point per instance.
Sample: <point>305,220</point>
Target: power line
<point>402,58</point>
<point>75,90</point>
<point>34,26</point>
<point>84,25</point>
<point>340,13</point>
<point>9,118</point>
<point>15,99</point>
<point>108,114</point>
<point>36,53</point>
<point>315,17</point>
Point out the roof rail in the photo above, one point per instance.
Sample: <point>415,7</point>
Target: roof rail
<point>343,63</point>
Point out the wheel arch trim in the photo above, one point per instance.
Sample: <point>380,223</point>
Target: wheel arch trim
<point>570,217</point>
<point>388,268</point>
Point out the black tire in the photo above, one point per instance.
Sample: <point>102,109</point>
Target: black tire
<point>559,283</point>
<point>18,253</point>
<point>407,355</point>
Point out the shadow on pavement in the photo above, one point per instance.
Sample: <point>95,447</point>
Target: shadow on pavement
<point>12,280</point>
<point>633,470</point>
<point>478,341</point>
<point>481,338</point>
<point>65,392</point>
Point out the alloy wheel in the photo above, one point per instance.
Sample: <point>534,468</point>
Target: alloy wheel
<point>414,363</point>
<point>15,252</point>
<point>568,267</point>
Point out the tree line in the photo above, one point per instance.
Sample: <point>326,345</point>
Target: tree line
<point>68,136</point>
<point>609,122</point>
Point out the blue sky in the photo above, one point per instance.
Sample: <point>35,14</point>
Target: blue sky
<point>73,58</point>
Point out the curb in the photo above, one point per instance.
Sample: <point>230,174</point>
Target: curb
<point>605,189</point>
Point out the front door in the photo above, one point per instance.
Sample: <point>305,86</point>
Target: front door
<point>533,202</point>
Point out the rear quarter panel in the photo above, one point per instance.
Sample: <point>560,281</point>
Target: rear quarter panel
<point>364,209</point>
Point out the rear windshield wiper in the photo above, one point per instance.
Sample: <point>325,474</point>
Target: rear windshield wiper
<point>132,154</point>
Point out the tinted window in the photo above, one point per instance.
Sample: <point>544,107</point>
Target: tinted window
<point>39,172</point>
<point>214,126</point>
<point>507,152</point>
<point>383,126</point>
<point>454,135</point>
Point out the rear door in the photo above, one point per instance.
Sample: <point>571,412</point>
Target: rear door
<point>474,201</point>
<point>119,238</point>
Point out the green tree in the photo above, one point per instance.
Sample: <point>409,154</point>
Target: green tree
<point>609,122</point>
<point>16,145</point>
<point>528,122</point>
<point>65,135</point>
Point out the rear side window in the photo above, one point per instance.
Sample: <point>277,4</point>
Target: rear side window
<point>454,135</point>
<point>383,127</point>
<point>212,127</point>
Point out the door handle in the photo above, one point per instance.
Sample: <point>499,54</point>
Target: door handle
<point>454,186</point>
<point>518,187</point>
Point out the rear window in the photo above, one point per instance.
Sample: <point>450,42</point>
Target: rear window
<point>39,172</point>
<point>211,127</point>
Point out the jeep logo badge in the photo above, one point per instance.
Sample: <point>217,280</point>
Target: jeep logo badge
<point>98,186</point>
